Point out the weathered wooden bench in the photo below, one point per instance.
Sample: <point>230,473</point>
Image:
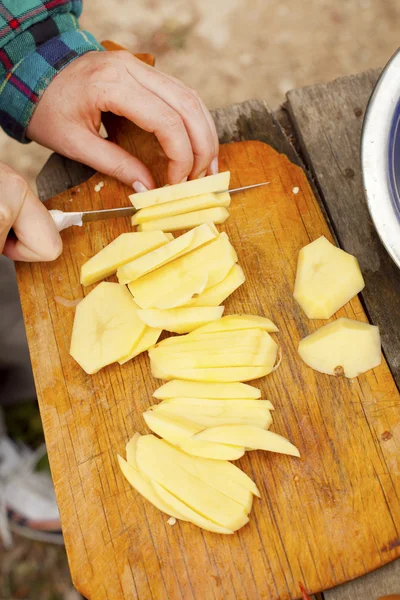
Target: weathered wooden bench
<point>318,128</point>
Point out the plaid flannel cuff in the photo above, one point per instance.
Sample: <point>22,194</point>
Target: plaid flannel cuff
<point>26,80</point>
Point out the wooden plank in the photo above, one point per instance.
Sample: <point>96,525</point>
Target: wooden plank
<point>324,519</point>
<point>382,582</point>
<point>327,120</point>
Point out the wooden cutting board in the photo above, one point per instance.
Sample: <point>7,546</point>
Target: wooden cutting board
<point>323,519</point>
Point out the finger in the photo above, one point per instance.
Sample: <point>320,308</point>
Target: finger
<point>207,114</point>
<point>37,235</point>
<point>110,159</point>
<point>188,105</point>
<point>152,114</point>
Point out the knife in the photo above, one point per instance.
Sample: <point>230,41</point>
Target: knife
<point>67,219</point>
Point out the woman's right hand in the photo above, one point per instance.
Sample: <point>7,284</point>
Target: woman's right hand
<point>37,238</point>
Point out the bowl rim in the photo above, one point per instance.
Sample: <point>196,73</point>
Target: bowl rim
<point>382,118</point>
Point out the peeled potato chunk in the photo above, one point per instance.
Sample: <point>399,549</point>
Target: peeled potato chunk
<point>326,279</point>
<point>106,327</point>
<point>216,215</point>
<point>180,320</point>
<point>153,260</point>
<point>210,264</point>
<point>195,187</point>
<point>197,389</point>
<point>123,249</point>
<point>344,347</point>
<point>253,438</point>
<point>215,295</point>
<point>179,431</point>
<point>192,491</point>
<point>237,323</point>
<point>180,207</point>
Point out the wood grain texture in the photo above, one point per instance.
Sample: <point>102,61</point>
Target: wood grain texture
<point>327,120</point>
<point>324,519</point>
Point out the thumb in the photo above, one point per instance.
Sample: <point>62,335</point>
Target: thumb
<point>110,159</point>
<point>36,233</point>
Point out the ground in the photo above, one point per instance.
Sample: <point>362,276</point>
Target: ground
<point>229,50</point>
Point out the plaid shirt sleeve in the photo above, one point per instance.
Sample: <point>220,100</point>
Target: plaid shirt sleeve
<point>38,38</point>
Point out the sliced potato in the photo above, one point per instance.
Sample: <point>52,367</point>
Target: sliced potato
<point>343,347</point>
<point>216,406</point>
<point>180,320</point>
<point>237,323</point>
<point>179,431</point>
<point>197,389</point>
<point>207,354</point>
<point>181,245</point>
<point>188,513</point>
<point>123,249</point>
<point>106,327</point>
<point>180,295</point>
<point>212,413</point>
<point>211,262</point>
<point>208,470</point>
<point>148,340</point>
<point>253,438</point>
<point>237,341</point>
<point>221,374</point>
<point>195,187</point>
<point>143,485</point>
<point>195,493</point>
<point>326,279</point>
<point>215,295</point>
<point>180,207</point>
<point>130,450</point>
<point>216,215</point>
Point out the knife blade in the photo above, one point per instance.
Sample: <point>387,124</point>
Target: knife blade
<point>67,219</point>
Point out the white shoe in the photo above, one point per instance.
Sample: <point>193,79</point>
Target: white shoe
<point>27,501</point>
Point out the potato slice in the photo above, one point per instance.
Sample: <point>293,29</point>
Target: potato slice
<point>180,320</point>
<point>206,469</point>
<point>221,375</point>
<point>216,294</point>
<point>178,247</point>
<point>212,263</point>
<point>196,389</point>
<point>106,327</point>
<point>237,323</point>
<point>143,485</point>
<point>216,215</point>
<point>180,207</point>
<point>178,296</point>
<point>148,340</point>
<point>189,514</point>
<point>237,341</point>
<point>130,450</point>
<point>169,360</point>
<point>179,431</point>
<point>195,187</point>
<point>343,347</point>
<point>326,279</point>
<point>216,406</point>
<point>192,491</point>
<point>253,438</point>
<point>212,413</point>
<point>120,251</point>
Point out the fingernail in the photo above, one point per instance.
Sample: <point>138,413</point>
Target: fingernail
<point>184,180</point>
<point>139,187</point>
<point>214,166</point>
<point>203,174</point>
